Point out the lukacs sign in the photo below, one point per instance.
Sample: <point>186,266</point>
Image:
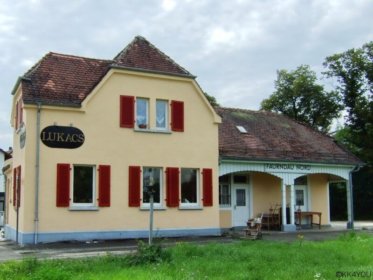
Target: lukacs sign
<point>63,137</point>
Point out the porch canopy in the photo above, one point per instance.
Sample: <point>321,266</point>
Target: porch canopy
<point>275,144</point>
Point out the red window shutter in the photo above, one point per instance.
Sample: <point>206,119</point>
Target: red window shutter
<point>14,186</point>
<point>127,111</point>
<point>207,186</point>
<point>18,186</point>
<point>104,185</point>
<point>63,185</point>
<point>172,186</point>
<point>134,179</point>
<point>177,116</point>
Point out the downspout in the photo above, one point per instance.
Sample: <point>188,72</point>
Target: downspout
<point>37,174</point>
<point>350,223</point>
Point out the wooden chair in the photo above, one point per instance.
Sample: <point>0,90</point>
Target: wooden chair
<point>275,219</point>
<point>271,220</point>
<point>254,228</point>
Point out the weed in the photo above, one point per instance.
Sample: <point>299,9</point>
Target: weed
<point>300,238</point>
<point>147,254</point>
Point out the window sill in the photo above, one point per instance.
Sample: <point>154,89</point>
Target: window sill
<point>190,208</point>
<point>152,130</point>
<point>83,208</point>
<point>156,208</point>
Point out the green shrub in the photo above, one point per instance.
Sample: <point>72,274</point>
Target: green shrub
<point>148,254</point>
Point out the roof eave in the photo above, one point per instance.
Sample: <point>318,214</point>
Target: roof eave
<point>52,104</point>
<point>152,71</point>
<point>18,82</point>
<point>237,158</point>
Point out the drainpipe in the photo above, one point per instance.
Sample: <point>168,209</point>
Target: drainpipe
<point>37,174</point>
<point>350,223</point>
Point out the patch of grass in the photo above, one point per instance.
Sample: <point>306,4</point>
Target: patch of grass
<point>300,259</point>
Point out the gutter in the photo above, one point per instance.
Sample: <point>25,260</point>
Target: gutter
<point>350,222</point>
<point>37,174</point>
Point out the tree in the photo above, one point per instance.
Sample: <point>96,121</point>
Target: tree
<point>298,96</point>
<point>212,100</point>
<point>353,71</point>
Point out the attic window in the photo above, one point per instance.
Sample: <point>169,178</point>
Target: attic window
<point>241,129</point>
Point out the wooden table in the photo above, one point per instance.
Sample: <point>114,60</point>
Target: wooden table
<point>309,214</point>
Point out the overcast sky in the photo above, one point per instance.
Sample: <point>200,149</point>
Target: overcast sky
<point>233,47</point>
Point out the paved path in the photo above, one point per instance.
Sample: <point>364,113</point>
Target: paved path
<point>11,251</point>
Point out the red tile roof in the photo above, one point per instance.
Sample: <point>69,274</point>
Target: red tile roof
<point>66,80</point>
<point>63,80</point>
<point>141,54</point>
<point>275,137</point>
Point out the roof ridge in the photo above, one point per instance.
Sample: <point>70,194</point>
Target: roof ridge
<point>251,111</point>
<point>78,56</point>
<point>51,54</point>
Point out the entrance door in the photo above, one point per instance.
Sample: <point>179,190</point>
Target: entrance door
<point>301,198</point>
<point>240,205</point>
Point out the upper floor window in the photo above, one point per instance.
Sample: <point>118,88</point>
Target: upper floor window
<point>142,113</point>
<point>161,114</point>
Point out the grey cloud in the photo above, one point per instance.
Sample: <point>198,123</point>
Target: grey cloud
<point>234,47</point>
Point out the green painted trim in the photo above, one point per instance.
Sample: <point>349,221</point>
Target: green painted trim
<point>261,161</point>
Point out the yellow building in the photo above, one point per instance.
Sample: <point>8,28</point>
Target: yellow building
<point>94,138</point>
<point>91,137</point>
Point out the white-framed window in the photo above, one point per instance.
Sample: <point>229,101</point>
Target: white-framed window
<point>189,187</point>
<point>152,181</point>
<point>83,186</point>
<point>161,119</point>
<point>224,191</point>
<point>142,113</point>
<point>240,179</point>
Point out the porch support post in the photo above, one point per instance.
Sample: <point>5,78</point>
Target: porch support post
<point>285,225</point>
<point>350,220</point>
<point>283,208</point>
<point>292,203</point>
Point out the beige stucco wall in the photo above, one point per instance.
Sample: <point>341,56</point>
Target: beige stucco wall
<point>107,143</point>
<point>319,196</point>
<point>225,218</point>
<point>266,192</point>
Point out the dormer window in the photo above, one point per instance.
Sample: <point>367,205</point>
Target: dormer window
<point>149,115</point>
<point>241,129</point>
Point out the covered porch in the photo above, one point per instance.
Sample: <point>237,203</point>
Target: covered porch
<point>295,195</point>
